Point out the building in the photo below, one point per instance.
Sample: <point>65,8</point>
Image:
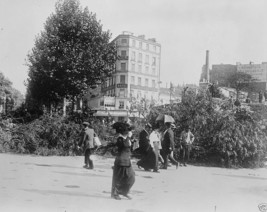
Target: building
<point>258,73</point>
<point>136,77</point>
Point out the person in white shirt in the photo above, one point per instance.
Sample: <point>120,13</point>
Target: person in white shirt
<point>187,139</point>
<point>155,142</point>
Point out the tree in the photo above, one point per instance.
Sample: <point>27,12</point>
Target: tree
<point>240,81</point>
<point>72,54</point>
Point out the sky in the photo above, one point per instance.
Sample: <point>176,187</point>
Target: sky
<point>232,30</point>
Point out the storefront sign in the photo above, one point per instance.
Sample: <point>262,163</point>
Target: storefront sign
<point>122,85</point>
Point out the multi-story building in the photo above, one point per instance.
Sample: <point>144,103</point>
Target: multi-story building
<point>136,77</point>
<point>258,73</point>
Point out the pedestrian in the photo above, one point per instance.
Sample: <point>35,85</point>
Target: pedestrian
<point>144,144</point>
<point>148,159</point>
<point>168,145</point>
<point>171,156</point>
<point>260,97</point>
<point>265,96</point>
<point>87,141</point>
<point>123,173</point>
<point>187,138</point>
<point>155,142</point>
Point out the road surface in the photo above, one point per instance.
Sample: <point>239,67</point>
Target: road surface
<point>33,183</point>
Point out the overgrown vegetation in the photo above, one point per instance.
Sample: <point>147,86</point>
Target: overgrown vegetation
<point>224,136</point>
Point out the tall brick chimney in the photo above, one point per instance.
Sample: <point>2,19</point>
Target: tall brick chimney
<point>207,66</point>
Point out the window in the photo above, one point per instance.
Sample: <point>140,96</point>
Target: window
<point>133,43</point>
<point>122,93</point>
<point>131,93</point>
<point>146,94</point>
<point>123,66</point>
<point>133,56</point>
<point>147,59</point>
<point>139,95</point>
<point>133,67</point>
<point>139,68</point>
<point>123,41</point>
<point>154,48</point>
<point>123,53</point>
<point>139,81</point>
<point>140,57</point>
<point>153,83</point>
<point>153,61</point>
<point>146,82</point>
<point>132,80</point>
<point>122,79</point>
<point>147,46</point>
<point>140,45</point>
<point>147,69</point>
<point>121,104</point>
<point>154,71</point>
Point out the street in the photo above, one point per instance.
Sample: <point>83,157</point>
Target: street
<point>33,183</point>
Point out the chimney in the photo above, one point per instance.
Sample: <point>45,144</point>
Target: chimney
<point>207,66</point>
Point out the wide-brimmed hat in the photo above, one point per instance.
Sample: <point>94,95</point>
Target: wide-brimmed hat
<point>85,123</point>
<point>121,127</point>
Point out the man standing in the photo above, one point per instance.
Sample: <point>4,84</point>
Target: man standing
<point>168,145</point>
<point>87,141</point>
<point>187,138</point>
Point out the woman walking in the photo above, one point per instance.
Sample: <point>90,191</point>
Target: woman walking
<point>123,173</point>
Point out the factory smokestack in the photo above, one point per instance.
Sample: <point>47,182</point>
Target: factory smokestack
<point>207,66</point>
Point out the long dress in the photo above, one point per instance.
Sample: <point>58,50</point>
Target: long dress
<point>149,159</point>
<point>123,173</point>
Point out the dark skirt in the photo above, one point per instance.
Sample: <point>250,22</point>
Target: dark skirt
<point>122,180</point>
<point>149,161</point>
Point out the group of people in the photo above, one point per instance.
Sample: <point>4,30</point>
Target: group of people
<point>155,144</point>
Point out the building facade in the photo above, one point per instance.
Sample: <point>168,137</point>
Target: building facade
<point>136,77</point>
<point>258,73</point>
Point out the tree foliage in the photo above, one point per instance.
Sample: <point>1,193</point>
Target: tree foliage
<point>70,55</point>
<point>227,137</point>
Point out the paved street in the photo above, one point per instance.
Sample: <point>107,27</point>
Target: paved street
<point>32,183</point>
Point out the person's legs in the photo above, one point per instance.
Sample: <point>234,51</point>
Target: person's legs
<point>86,158</point>
<point>173,161</point>
<point>183,150</point>
<point>165,158</point>
<point>91,164</point>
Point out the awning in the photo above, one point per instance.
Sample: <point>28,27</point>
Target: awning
<point>113,113</point>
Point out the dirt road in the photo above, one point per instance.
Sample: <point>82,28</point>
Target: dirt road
<point>32,183</point>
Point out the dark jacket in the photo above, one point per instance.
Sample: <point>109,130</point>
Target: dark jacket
<point>124,152</point>
<point>144,143</point>
<point>168,141</point>
<point>87,139</point>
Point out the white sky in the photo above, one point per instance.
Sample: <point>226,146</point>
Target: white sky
<point>232,30</point>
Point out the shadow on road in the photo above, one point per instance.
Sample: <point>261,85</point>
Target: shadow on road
<point>67,193</point>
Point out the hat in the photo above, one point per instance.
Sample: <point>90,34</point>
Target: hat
<point>173,125</point>
<point>86,123</point>
<point>121,127</point>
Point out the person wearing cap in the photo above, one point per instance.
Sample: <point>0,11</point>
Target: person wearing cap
<point>186,138</point>
<point>168,146</point>
<point>87,141</point>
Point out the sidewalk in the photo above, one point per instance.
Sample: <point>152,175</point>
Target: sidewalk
<point>31,183</point>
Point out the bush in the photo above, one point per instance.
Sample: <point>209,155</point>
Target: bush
<point>226,136</point>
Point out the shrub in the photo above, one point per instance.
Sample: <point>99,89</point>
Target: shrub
<point>226,136</point>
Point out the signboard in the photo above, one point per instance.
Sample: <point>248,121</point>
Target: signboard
<point>122,85</point>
